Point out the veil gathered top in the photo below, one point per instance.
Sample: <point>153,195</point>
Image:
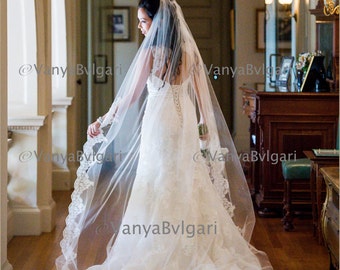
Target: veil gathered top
<point>147,197</point>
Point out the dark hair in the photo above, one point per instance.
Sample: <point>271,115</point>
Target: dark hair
<point>150,6</point>
<point>170,36</point>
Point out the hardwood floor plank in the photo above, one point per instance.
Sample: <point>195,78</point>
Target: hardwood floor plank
<point>294,250</point>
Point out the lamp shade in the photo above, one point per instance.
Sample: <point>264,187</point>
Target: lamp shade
<point>285,2</point>
<point>327,2</point>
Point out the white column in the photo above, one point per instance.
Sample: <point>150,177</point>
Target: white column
<point>74,115</point>
<point>61,176</point>
<point>23,159</point>
<point>44,57</point>
<point>60,101</point>
<point>4,264</point>
<point>30,114</point>
<point>23,70</point>
<point>10,226</point>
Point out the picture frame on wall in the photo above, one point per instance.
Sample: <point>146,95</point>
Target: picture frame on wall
<point>283,30</point>
<point>260,30</point>
<point>115,23</point>
<point>100,66</point>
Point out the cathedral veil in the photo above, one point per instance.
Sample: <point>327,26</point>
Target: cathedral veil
<point>167,58</point>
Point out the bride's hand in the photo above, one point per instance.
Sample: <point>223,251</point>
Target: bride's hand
<point>94,129</point>
<point>204,137</point>
<point>203,131</point>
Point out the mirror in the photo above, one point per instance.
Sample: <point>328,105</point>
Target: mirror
<point>280,28</point>
<point>291,29</point>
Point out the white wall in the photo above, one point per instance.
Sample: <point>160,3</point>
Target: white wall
<point>22,64</point>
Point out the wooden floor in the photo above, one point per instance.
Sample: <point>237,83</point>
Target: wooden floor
<point>286,250</point>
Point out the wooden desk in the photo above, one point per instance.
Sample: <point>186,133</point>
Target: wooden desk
<point>284,125</point>
<point>316,181</point>
<point>330,214</point>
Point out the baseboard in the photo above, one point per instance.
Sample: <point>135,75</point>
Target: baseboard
<point>10,225</point>
<point>48,217</point>
<point>26,221</point>
<point>6,266</point>
<point>61,179</point>
<point>34,221</point>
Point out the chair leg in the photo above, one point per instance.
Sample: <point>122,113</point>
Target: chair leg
<point>287,202</point>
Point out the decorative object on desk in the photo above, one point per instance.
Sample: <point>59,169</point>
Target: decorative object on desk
<point>331,7</point>
<point>302,64</point>
<point>299,78</point>
<point>304,60</point>
<point>284,71</point>
<point>326,152</point>
<point>315,77</point>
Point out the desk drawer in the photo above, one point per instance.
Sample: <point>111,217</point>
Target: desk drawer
<point>335,199</point>
<point>331,234</point>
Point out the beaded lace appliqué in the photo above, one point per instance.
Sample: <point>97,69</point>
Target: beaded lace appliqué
<point>72,230</point>
<point>175,94</point>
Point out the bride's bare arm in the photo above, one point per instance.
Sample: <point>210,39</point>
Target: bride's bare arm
<point>202,123</point>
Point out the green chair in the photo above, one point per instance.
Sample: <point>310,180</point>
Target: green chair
<point>292,170</point>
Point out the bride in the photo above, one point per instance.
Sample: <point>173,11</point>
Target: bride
<point>168,191</point>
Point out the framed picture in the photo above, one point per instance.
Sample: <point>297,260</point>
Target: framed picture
<point>283,30</point>
<point>285,68</point>
<point>115,23</point>
<point>260,30</point>
<point>314,80</point>
<point>100,66</point>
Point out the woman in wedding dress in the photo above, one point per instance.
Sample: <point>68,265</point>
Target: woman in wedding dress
<point>160,186</point>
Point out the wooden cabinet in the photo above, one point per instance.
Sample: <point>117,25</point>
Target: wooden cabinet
<point>330,214</point>
<point>283,126</point>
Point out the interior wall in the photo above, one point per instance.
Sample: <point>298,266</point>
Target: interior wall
<point>4,264</point>
<point>124,52</point>
<point>119,55</point>
<point>246,56</point>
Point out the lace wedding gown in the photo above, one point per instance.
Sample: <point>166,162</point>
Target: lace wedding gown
<point>175,218</point>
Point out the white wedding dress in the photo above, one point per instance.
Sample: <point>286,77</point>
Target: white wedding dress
<point>153,202</point>
<point>175,218</point>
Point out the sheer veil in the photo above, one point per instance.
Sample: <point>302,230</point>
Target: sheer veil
<point>168,57</point>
